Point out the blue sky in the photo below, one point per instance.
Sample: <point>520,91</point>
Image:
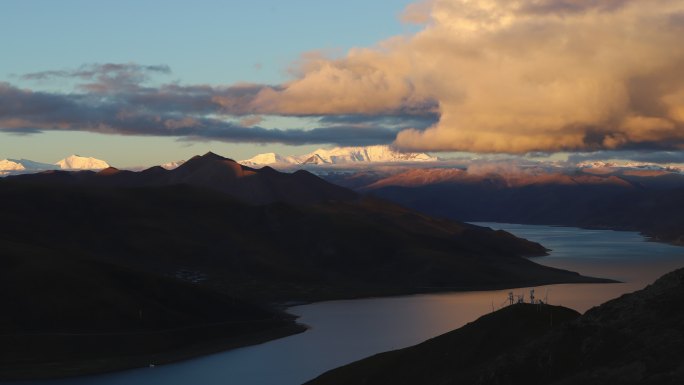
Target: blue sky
<point>203,42</point>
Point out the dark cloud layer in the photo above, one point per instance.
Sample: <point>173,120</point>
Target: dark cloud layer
<point>177,111</point>
<point>102,77</point>
<point>115,98</point>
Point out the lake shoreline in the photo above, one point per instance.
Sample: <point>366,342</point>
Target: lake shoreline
<point>75,369</point>
<point>61,370</point>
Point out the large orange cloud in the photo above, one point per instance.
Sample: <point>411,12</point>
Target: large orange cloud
<point>514,76</point>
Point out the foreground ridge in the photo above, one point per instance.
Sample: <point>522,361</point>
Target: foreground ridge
<point>636,338</point>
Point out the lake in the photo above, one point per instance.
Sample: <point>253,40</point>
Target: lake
<point>345,331</point>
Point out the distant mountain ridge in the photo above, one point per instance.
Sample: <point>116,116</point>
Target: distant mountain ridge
<point>72,162</point>
<point>430,176</point>
<point>649,201</point>
<point>341,155</point>
<point>598,164</point>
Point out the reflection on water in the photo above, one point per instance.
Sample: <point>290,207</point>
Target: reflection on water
<point>345,331</point>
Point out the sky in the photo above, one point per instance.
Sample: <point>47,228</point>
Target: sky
<point>145,82</point>
<point>203,42</point>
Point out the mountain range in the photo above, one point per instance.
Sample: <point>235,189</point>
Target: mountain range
<point>608,166</point>
<point>649,201</point>
<point>72,162</point>
<point>210,171</point>
<point>340,155</point>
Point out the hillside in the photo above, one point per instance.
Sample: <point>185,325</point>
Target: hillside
<point>271,252</point>
<point>66,314</point>
<point>635,339</point>
<point>651,204</point>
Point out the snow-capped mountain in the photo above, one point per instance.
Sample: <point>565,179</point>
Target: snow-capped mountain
<point>75,162</point>
<point>341,155</point>
<point>598,164</point>
<point>269,158</point>
<point>24,165</point>
<point>172,165</point>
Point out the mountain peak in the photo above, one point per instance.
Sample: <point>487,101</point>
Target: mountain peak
<point>24,165</point>
<point>109,171</point>
<point>211,155</point>
<point>76,162</point>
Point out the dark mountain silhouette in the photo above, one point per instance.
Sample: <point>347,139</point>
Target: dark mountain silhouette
<point>270,252</point>
<point>211,171</point>
<point>635,339</point>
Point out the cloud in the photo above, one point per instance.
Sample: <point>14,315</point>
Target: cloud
<point>101,71</point>
<point>104,77</point>
<point>251,120</point>
<point>529,75</point>
<point>397,121</point>
<point>184,113</point>
<point>485,76</point>
<point>417,13</point>
<point>114,99</point>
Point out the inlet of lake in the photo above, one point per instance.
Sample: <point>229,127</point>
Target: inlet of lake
<point>344,331</point>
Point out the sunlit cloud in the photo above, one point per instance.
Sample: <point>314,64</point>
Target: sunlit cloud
<point>516,76</point>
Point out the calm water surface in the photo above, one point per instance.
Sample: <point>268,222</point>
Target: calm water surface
<point>345,331</point>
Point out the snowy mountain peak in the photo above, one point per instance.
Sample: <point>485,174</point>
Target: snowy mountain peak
<point>11,165</point>
<point>18,165</point>
<point>375,154</point>
<point>172,165</point>
<point>75,162</point>
<point>269,158</point>
<point>599,164</point>
<point>341,155</point>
